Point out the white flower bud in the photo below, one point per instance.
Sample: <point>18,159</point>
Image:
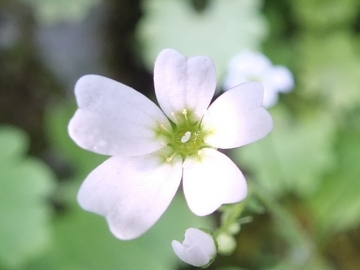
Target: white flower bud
<point>197,249</point>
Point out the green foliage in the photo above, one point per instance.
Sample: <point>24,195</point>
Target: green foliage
<point>25,184</point>
<point>220,31</point>
<point>336,205</point>
<point>294,156</point>
<point>320,15</point>
<point>330,69</point>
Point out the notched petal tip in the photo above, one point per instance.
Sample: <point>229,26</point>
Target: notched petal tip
<point>168,53</point>
<point>183,83</point>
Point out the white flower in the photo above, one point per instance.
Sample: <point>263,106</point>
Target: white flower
<point>252,66</point>
<point>152,149</point>
<point>197,249</point>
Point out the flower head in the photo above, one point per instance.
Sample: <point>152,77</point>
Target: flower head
<point>252,66</point>
<point>197,249</point>
<point>152,149</point>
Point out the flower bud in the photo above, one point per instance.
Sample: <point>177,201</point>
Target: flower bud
<point>197,249</point>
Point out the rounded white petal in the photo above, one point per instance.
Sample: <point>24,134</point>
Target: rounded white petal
<point>237,117</point>
<point>132,193</point>
<point>245,67</point>
<point>184,83</point>
<point>270,98</point>
<point>233,79</point>
<point>249,63</point>
<point>197,249</point>
<point>114,119</point>
<point>210,180</point>
<point>279,78</point>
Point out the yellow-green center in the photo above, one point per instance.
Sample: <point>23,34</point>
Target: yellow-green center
<point>186,137</point>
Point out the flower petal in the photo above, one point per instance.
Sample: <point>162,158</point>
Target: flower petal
<point>114,119</point>
<point>279,78</point>
<point>210,180</point>
<point>132,193</point>
<point>197,249</point>
<point>271,97</point>
<point>245,67</point>
<point>184,83</point>
<point>237,117</point>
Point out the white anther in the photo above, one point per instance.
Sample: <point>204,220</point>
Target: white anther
<point>186,137</point>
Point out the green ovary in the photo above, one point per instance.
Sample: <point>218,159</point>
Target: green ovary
<point>187,140</point>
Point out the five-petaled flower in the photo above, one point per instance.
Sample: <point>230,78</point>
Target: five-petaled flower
<point>254,66</point>
<point>152,149</point>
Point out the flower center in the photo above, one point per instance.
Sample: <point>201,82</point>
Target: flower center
<point>186,137</point>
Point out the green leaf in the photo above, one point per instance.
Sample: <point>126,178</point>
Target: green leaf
<point>330,70</point>
<point>24,185</point>
<point>220,31</point>
<point>336,206</point>
<point>325,14</point>
<point>294,156</point>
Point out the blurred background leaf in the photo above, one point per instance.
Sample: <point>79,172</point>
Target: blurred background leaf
<point>336,205</point>
<point>330,69</point>
<point>25,185</point>
<point>220,30</point>
<point>294,156</point>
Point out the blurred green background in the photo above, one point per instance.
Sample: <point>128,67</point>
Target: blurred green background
<point>308,166</point>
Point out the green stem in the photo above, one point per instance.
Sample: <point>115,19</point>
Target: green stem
<point>233,217</point>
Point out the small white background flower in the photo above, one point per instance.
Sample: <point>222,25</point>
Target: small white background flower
<point>253,66</point>
<point>197,249</point>
<point>152,149</point>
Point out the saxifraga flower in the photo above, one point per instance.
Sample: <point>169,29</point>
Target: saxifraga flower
<point>152,149</point>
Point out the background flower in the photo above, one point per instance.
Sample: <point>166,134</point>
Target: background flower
<point>254,66</point>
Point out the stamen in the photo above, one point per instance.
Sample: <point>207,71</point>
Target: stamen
<point>162,126</point>
<point>185,115</point>
<point>168,159</point>
<point>186,137</point>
